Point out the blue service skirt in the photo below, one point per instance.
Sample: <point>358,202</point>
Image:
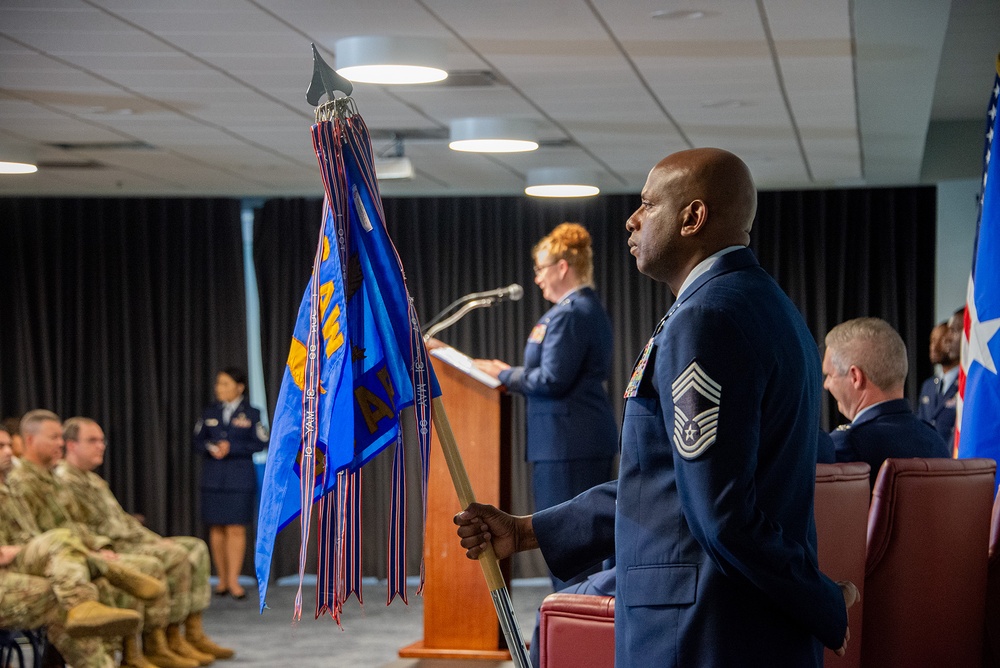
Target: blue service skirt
<point>227,506</point>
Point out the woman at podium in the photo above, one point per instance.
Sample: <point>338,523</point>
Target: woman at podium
<point>572,434</point>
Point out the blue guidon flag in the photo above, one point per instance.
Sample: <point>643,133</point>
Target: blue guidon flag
<point>978,421</point>
<point>357,359</point>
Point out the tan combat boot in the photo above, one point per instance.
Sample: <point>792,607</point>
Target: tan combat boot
<point>181,647</point>
<point>197,638</point>
<point>134,582</point>
<point>132,656</point>
<point>96,619</point>
<point>156,649</point>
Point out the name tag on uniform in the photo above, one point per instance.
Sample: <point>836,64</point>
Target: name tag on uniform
<point>537,333</point>
<point>211,422</point>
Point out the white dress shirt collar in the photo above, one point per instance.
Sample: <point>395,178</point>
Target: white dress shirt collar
<point>704,266</point>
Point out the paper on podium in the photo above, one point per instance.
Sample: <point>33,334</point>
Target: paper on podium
<point>463,362</point>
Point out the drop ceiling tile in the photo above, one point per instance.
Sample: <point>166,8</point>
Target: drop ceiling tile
<point>80,20</point>
<point>66,45</point>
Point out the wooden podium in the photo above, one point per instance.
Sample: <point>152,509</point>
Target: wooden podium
<point>459,619</point>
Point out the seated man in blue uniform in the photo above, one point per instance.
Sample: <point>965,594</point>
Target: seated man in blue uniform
<point>938,395</point>
<point>711,518</point>
<point>865,366</point>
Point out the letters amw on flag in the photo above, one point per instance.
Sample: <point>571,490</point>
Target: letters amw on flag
<point>374,364</point>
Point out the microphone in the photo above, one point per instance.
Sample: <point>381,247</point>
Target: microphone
<point>512,292</point>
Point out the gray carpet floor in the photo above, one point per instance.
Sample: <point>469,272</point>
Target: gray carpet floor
<point>371,635</point>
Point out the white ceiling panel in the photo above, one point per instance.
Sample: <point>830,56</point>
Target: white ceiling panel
<point>808,20</point>
<point>330,21</point>
<point>65,45</point>
<point>208,19</point>
<point>77,19</point>
<point>809,92</point>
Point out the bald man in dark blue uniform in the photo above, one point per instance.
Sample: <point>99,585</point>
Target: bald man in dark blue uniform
<point>711,518</point>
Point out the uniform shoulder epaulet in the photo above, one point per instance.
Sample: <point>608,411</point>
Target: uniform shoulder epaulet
<point>843,427</point>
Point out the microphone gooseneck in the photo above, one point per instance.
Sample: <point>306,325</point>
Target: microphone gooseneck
<point>513,292</point>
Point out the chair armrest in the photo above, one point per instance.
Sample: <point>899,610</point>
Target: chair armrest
<point>577,630</point>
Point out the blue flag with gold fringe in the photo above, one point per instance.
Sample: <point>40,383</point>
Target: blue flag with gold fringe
<point>357,359</point>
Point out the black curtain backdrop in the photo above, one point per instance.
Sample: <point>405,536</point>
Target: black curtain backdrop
<point>122,310</point>
<point>839,254</point>
<point>842,254</point>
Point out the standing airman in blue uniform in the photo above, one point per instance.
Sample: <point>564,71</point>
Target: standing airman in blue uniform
<point>572,436</point>
<point>865,367</point>
<point>711,518</point>
<point>938,403</point>
<point>227,436</point>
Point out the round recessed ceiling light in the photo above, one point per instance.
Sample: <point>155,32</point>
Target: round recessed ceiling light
<point>390,60</point>
<point>17,167</point>
<point>562,182</point>
<point>493,135</point>
<point>17,159</point>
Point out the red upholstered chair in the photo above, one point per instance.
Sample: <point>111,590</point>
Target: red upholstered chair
<point>991,654</point>
<point>577,630</point>
<point>925,577</point>
<point>841,509</point>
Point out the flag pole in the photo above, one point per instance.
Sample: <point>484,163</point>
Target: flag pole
<point>488,559</point>
<point>325,81</point>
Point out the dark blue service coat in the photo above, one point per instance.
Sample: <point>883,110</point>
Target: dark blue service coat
<point>711,519</point>
<point>567,361</point>
<point>889,429</point>
<point>229,484</point>
<point>825,452</point>
<point>939,409</point>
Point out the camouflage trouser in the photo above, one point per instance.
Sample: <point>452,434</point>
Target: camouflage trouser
<point>201,569</point>
<point>174,559</point>
<point>155,613</point>
<point>59,557</point>
<point>111,595</point>
<point>108,594</point>
<point>28,602</point>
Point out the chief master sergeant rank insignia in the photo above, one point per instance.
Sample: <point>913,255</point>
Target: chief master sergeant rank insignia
<point>696,410</point>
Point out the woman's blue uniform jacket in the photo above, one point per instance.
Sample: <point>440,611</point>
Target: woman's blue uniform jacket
<point>567,361</point>
<point>711,519</point>
<point>246,435</point>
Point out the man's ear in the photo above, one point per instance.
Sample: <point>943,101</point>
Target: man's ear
<point>858,378</point>
<point>693,217</point>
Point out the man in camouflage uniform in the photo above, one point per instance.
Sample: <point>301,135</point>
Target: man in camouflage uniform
<point>91,502</point>
<point>46,580</point>
<point>39,490</point>
<point>27,602</point>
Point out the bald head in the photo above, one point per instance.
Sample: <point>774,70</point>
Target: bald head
<point>723,182</point>
<point>695,203</point>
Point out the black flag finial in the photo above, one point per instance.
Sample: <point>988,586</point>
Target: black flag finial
<point>325,81</point>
